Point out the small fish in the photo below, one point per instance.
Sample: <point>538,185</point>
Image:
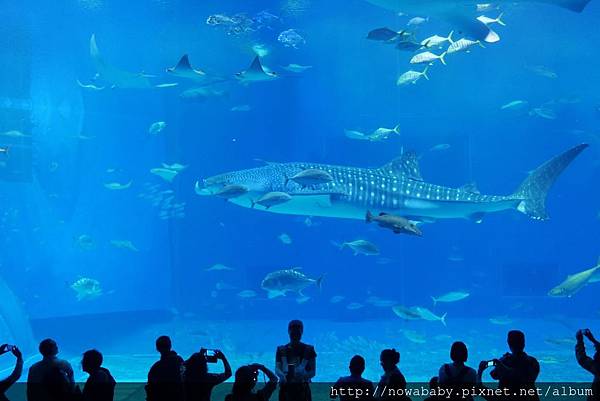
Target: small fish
<point>488,21</point>
<point>414,337</point>
<point>302,299</point>
<point>157,127</point>
<point>543,112</point>
<point>397,224</point>
<point>427,58</point>
<point>439,147</point>
<point>14,134</point>
<point>175,167</point>
<point>116,186</point>
<point>426,314</point>
<point>383,35</point>
<point>361,246</point>
<point>515,105</point>
<point>452,296</point>
<point>564,341</point>
<point>436,41</point>
<point>501,320</point>
<point>90,86</point>
<point>354,306</point>
<point>411,77</point>
<point>463,45</point>
<point>297,68</point>
<point>124,244</point>
<point>284,238</point>
<point>246,294</point>
<point>416,21</point>
<point>221,286</point>
<point>384,133</point>
<point>165,173</point>
<point>85,242</point>
<point>271,199</point>
<point>231,191</point>
<point>336,299</point>
<point>484,7</point>
<point>218,267</point>
<point>242,108</point>
<point>310,177</point>
<point>542,71</point>
<point>408,45</point>
<point>352,134</point>
<point>201,94</point>
<point>4,150</point>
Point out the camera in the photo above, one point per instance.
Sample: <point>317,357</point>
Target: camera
<point>210,355</point>
<point>491,363</point>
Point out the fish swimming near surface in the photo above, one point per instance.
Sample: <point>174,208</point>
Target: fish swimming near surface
<point>280,282</point>
<point>394,188</point>
<point>575,282</point>
<point>462,14</point>
<point>256,73</point>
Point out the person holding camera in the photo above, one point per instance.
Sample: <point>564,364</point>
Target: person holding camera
<point>246,378</point>
<point>197,382</point>
<point>516,371</point>
<point>295,365</point>
<point>592,365</point>
<point>16,373</point>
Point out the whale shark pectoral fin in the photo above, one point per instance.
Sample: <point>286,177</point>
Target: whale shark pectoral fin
<point>477,217</point>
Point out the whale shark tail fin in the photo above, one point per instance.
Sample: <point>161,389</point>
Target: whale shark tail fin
<point>534,189</point>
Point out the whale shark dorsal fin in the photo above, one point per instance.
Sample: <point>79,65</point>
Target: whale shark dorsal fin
<point>407,164</point>
<point>256,66</point>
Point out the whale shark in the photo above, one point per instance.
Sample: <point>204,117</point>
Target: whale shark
<point>395,188</point>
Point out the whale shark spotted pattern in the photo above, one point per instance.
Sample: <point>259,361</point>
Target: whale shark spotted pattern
<point>396,188</point>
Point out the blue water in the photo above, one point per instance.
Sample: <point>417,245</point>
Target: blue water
<point>58,226</point>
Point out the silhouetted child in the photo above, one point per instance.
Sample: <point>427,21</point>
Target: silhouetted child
<point>100,385</point>
<point>198,383</point>
<point>592,365</point>
<point>165,378</point>
<point>16,373</point>
<point>353,387</point>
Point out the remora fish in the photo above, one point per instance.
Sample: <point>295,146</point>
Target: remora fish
<point>395,188</point>
<point>461,14</point>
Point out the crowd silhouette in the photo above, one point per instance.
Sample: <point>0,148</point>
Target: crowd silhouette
<point>172,378</point>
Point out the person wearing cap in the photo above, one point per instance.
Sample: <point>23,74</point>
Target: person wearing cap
<point>592,365</point>
<point>295,365</point>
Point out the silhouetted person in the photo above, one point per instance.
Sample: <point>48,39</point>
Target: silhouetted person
<point>592,365</point>
<point>165,378</point>
<point>198,383</point>
<point>353,387</point>
<point>295,365</point>
<point>392,384</point>
<point>456,375</point>
<point>100,385</point>
<point>245,381</point>
<point>434,385</point>
<point>515,371</point>
<point>50,379</point>
<point>16,373</point>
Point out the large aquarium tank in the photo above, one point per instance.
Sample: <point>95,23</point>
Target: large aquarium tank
<point>395,173</point>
